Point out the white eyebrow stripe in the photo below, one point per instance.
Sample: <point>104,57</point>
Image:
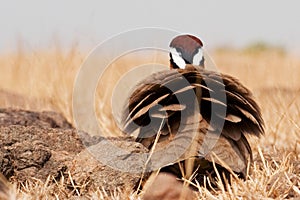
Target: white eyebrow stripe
<point>198,57</point>
<point>177,58</point>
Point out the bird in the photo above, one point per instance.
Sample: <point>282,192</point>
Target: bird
<point>188,105</point>
<point>186,49</point>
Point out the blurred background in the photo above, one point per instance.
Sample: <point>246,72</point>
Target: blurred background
<point>232,23</point>
<point>44,43</point>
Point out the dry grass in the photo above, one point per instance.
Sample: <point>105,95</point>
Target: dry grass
<point>44,80</point>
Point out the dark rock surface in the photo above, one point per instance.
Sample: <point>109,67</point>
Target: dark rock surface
<point>37,152</point>
<point>88,166</point>
<point>39,144</point>
<point>46,119</point>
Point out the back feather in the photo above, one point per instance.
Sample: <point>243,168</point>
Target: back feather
<point>164,100</point>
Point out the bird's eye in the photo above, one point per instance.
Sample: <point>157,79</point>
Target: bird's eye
<point>198,57</point>
<point>178,60</point>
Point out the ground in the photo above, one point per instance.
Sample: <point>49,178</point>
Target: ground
<point>43,80</point>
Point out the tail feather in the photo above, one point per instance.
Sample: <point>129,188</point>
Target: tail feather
<point>159,99</point>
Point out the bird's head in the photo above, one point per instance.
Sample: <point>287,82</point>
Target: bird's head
<point>185,50</point>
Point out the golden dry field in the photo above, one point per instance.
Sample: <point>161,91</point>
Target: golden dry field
<point>43,80</point>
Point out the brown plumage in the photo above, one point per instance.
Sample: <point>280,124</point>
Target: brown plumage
<point>191,107</point>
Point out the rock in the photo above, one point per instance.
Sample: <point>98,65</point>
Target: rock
<point>89,166</point>
<point>39,144</point>
<point>88,140</point>
<point>165,186</point>
<point>31,151</point>
<point>46,119</point>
